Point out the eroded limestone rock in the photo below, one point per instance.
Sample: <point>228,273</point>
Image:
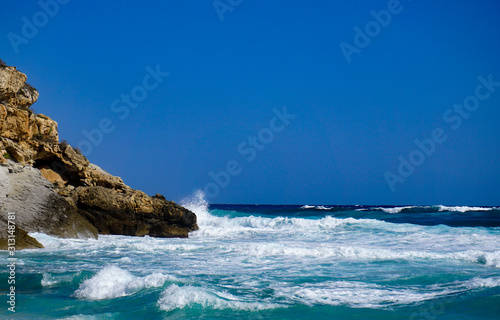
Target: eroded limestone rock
<point>55,190</point>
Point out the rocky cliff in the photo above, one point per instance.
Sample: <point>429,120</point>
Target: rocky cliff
<point>52,188</point>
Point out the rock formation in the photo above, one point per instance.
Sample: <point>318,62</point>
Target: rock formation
<point>52,188</point>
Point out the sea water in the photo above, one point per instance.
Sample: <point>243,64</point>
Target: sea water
<point>273,262</point>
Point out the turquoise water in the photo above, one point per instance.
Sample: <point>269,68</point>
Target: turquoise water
<point>274,262</point>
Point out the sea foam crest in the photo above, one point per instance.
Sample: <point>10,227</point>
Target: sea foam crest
<point>353,294</point>
<point>478,282</point>
<point>491,258</point>
<point>55,243</point>
<point>395,209</point>
<point>462,208</point>
<point>112,282</point>
<point>175,297</point>
<point>305,207</point>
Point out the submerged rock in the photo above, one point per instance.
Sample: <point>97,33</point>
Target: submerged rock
<point>22,239</point>
<point>54,189</point>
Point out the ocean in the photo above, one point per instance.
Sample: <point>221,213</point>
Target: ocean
<point>273,262</point>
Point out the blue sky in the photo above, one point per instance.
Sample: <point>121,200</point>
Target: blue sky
<point>349,125</point>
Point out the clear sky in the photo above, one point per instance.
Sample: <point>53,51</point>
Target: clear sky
<point>282,102</point>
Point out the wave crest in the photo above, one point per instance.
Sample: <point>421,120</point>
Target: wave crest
<point>175,297</point>
<point>463,208</point>
<point>112,282</point>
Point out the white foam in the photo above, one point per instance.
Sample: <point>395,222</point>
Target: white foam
<point>307,207</point>
<point>362,239</point>
<point>489,258</point>
<point>395,209</point>
<point>353,294</point>
<point>125,260</point>
<point>345,239</point>
<point>211,225</point>
<point>314,207</point>
<point>112,282</point>
<point>346,252</point>
<point>250,253</point>
<point>477,282</point>
<point>251,225</point>
<point>175,297</point>
<point>369,295</point>
<point>462,208</point>
<point>322,208</point>
<point>55,243</point>
<point>159,244</point>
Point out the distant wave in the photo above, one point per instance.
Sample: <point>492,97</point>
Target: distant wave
<point>322,208</point>
<point>306,207</point>
<point>400,209</point>
<point>463,208</point>
<point>395,209</point>
<point>427,209</point>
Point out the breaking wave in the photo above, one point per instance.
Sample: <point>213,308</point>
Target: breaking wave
<point>175,297</point>
<point>113,282</point>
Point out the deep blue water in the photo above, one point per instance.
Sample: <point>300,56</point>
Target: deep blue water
<point>421,215</point>
<point>274,262</point>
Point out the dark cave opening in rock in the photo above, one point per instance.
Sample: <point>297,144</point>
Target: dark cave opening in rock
<point>54,170</point>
